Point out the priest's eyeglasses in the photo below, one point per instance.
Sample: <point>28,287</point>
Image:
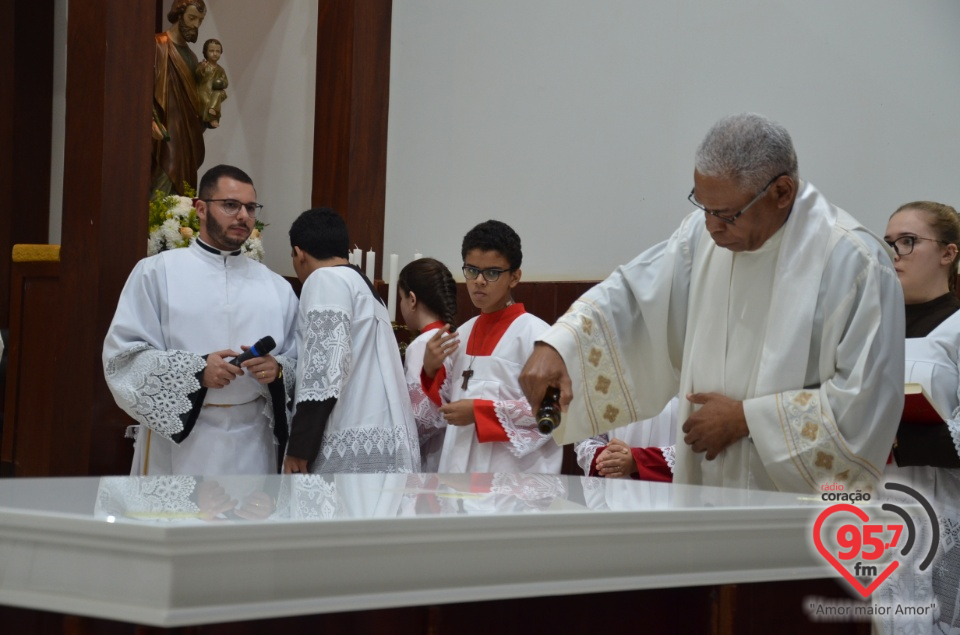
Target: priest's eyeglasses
<point>904,245</point>
<point>231,207</point>
<point>490,275</point>
<point>731,219</point>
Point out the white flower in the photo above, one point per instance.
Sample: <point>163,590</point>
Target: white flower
<point>154,243</point>
<point>170,232</point>
<point>182,207</point>
<point>253,248</point>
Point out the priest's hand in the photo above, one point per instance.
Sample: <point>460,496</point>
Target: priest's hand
<point>265,368</point>
<point>439,347</point>
<point>458,413</point>
<point>219,373</point>
<point>294,465</point>
<point>616,460</point>
<point>718,423</point>
<point>543,369</point>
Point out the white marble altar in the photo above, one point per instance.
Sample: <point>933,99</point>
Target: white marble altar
<point>149,550</point>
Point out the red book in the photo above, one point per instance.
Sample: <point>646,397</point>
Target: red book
<point>918,408</point>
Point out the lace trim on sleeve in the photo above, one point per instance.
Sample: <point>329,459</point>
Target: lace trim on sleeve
<point>154,386</point>
<point>587,449</point>
<point>521,427</point>
<point>426,413</point>
<point>327,355</point>
<point>954,426</point>
<point>369,449</point>
<point>288,367</point>
<point>670,456</point>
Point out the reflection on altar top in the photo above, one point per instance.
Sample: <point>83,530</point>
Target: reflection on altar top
<point>298,497</point>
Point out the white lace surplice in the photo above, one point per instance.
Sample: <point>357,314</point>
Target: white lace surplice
<point>349,352</point>
<point>175,308</point>
<point>495,378</point>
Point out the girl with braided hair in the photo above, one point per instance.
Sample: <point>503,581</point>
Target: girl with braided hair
<point>428,301</point>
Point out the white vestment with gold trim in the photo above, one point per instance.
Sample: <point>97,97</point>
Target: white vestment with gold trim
<point>807,331</point>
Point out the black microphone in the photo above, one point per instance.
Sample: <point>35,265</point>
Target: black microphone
<point>263,346</point>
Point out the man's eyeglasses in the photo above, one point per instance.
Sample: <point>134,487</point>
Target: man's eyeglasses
<point>904,245</point>
<point>231,207</point>
<point>732,219</point>
<point>490,275</point>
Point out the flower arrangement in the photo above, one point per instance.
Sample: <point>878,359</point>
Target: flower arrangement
<point>174,223</point>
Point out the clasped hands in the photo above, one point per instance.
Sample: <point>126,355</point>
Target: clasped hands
<point>616,460</point>
<point>220,373</point>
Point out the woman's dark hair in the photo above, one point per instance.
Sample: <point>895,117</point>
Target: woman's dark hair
<point>433,285</point>
<point>945,222</point>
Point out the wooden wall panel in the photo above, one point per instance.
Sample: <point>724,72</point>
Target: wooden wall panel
<point>106,183</point>
<point>26,111</point>
<point>352,103</point>
<point>7,101</point>
<point>29,404</point>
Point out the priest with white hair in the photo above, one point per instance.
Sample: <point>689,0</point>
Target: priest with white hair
<point>774,316</point>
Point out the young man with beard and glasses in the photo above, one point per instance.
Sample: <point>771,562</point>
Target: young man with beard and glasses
<point>182,315</point>
<point>178,125</point>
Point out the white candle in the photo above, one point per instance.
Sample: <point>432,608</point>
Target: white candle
<point>417,256</point>
<point>371,264</point>
<point>357,257</point>
<point>392,288</point>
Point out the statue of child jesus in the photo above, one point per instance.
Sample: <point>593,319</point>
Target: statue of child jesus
<point>211,82</point>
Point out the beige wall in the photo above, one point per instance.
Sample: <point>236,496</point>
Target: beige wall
<point>576,121</point>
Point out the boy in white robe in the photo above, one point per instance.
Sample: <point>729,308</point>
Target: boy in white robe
<point>474,391</point>
<point>353,411</point>
<point>774,316</point>
<point>182,315</point>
